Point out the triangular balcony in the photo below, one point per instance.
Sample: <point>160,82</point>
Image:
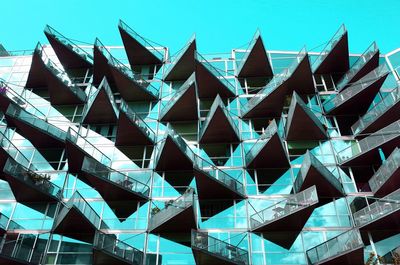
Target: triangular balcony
<point>358,97</point>
<point>173,153</point>
<point>380,218</point>
<point>314,173</point>
<point>22,249</point>
<point>177,219</point>
<point>302,123</point>
<point>38,71</point>
<point>100,107</point>
<point>138,49</point>
<point>213,184</point>
<point>346,248</point>
<point>289,215</point>
<point>385,179</point>
<point>367,62</point>
<point>269,101</point>
<point>255,62</point>
<point>28,185</point>
<point>69,53</point>
<point>78,220</point>
<point>131,86</point>
<point>115,187</point>
<point>211,81</point>
<point>40,132</point>
<point>382,114</point>
<point>183,104</point>
<point>269,150</point>
<point>132,129</point>
<point>77,147</point>
<point>107,249</point>
<point>365,151</point>
<point>210,250</point>
<point>334,58</point>
<point>219,126</point>
<point>183,64</point>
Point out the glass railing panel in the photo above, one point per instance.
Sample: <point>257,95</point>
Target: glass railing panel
<point>261,142</point>
<point>172,209</point>
<point>69,44</point>
<point>275,82</point>
<point>329,47</point>
<point>378,110</point>
<point>97,169</point>
<point>389,166</point>
<point>285,207</point>
<point>87,147</point>
<point>357,65</point>
<point>144,42</point>
<point>60,73</point>
<point>334,247</point>
<point>353,90</point>
<point>378,209</point>
<point>219,247</point>
<point>368,143</point>
<point>26,175</point>
<point>176,58</point>
<point>36,122</point>
<point>110,244</point>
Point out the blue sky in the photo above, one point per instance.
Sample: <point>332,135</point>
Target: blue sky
<point>219,25</point>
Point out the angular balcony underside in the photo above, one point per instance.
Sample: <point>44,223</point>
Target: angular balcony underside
<point>257,63</point>
<point>121,200</point>
<point>337,61</point>
<point>219,129</point>
<point>172,158</point>
<point>351,257</point>
<point>75,156</point>
<point>101,67</point>
<point>75,225</point>
<point>185,108</point>
<point>129,89</point>
<point>101,110</point>
<point>382,228</point>
<point>101,257</point>
<point>6,260</point>
<point>208,85</point>
<point>67,57</point>
<point>359,103</point>
<point>25,193</point>
<point>137,54</point>
<point>372,64</point>
<point>38,138</point>
<point>302,127</point>
<point>203,257</point>
<point>390,185</point>
<point>372,156</point>
<point>324,187</point>
<point>37,72</point>
<point>129,134</point>
<point>271,106</point>
<point>284,230</point>
<point>272,155</point>
<point>185,66</point>
<point>388,117</point>
<point>301,80</point>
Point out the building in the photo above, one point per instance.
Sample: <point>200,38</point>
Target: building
<point>130,155</point>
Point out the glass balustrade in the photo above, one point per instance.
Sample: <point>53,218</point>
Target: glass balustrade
<point>385,172</point>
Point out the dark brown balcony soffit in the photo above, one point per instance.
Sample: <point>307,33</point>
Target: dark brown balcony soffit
<point>301,80</point>
<point>359,103</point>
<point>67,57</point>
<point>75,156</point>
<point>257,62</point>
<point>101,67</point>
<point>37,73</point>
<point>185,66</point>
<point>272,155</point>
<point>182,223</point>
<point>352,257</point>
<point>129,89</point>
<point>137,54</point>
<point>300,125</point>
<point>337,61</point>
<point>128,132</point>
<point>172,158</point>
<point>101,110</point>
<point>185,108</point>
<point>75,225</point>
<point>208,85</point>
<point>104,257</point>
<point>390,185</point>
<point>204,257</point>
